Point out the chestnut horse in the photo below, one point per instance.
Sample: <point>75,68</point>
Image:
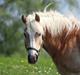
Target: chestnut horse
<point>58,35</point>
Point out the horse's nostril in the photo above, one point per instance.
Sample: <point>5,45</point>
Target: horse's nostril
<point>32,59</point>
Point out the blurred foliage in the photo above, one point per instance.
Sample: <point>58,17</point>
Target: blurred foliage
<point>11,28</point>
<point>72,3</point>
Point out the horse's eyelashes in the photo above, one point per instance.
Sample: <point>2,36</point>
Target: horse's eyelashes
<point>38,34</point>
<point>25,34</point>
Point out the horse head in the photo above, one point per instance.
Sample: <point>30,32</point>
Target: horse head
<point>33,33</point>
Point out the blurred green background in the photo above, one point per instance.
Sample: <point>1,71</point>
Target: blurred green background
<point>13,55</point>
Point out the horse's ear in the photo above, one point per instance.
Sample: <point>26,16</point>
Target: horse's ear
<point>37,18</point>
<point>23,18</point>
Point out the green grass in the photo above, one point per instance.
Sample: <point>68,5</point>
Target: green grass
<point>18,65</point>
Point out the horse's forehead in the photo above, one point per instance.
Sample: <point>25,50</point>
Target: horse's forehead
<point>34,27</point>
<point>30,30</point>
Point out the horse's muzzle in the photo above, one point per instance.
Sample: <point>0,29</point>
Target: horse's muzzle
<point>32,55</point>
<point>32,59</point>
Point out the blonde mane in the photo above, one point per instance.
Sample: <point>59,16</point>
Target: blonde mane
<point>55,22</point>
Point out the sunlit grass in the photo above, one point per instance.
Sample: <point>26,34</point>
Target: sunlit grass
<point>18,65</point>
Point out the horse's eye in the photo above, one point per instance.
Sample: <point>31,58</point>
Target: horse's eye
<point>38,34</point>
<point>25,34</point>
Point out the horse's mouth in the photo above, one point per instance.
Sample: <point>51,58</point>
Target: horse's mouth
<point>32,59</point>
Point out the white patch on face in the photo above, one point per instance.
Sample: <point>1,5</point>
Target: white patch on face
<point>33,42</point>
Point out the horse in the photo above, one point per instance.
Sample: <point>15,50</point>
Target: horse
<point>58,34</point>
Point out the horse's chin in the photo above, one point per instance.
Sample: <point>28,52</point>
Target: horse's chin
<point>31,62</point>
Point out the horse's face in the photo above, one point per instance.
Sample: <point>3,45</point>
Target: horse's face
<point>33,37</point>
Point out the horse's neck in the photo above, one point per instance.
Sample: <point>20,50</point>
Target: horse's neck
<point>62,41</point>
<point>64,46</point>
<point>51,43</point>
<point>58,30</point>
